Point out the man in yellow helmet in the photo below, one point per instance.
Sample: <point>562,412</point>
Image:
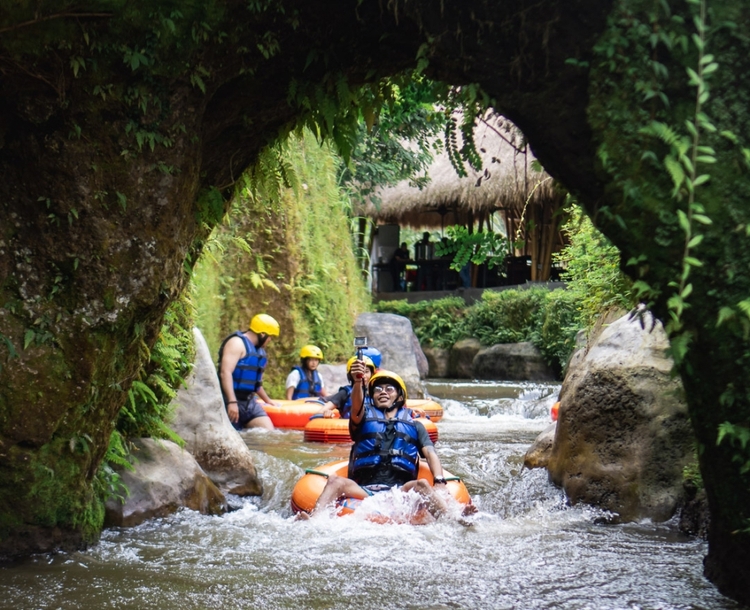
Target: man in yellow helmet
<point>387,445</point>
<point>242,360</point>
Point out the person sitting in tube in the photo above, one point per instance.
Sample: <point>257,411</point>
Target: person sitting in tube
<point>304,381</point>
<point>342,400</point>
<point>387,446</point>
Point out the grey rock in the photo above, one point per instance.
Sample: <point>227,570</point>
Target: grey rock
<point>423,365</point>
<point>511,362</point>
<point>438,360</point>
<point>623,436</point>
<point>202,422</point>
<point>394,337</point>
<point>537,456</point>
<point>334,376</point>
<point>461,358</point>
<point>166,478</point>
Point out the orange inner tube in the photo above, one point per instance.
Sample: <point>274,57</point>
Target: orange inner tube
<point>322,430</point>
<point>431,409</point>
<point>308,489</point>
<point>292,414</point>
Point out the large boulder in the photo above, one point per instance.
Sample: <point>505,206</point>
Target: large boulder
<point>512,362</point>
<point>333,376</point>
<point>623,435</point>
<point>537,456</point>
<point>423,365</point>
<point>202,422</point>
<point>166,478</point>
<point>438,361</point>
<point>461,358</point>
<point>394,337</point>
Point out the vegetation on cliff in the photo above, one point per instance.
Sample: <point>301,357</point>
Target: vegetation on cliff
<point>286,249</point>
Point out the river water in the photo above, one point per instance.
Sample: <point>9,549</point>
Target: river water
<point>524,549</point>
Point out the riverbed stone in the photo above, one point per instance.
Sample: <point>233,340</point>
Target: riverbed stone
<point>438,361</point>
<point>166,478</point>
<point>201,421</point>
<point>623,435</point>
<point>394,337</point>
<point>461,358</point>
<point>537,456</point>
<point>511,362</point>
<point>333,376</point>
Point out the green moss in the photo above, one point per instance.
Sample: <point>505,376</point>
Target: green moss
<point>285,249</point>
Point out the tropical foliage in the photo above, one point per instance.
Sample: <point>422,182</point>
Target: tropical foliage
<point>286,249</point>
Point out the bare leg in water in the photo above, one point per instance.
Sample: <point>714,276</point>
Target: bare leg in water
<point>335,488</point>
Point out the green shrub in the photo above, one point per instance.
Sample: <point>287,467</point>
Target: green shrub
<point>436,323</point>
<point>593,270</point>
<point>285,249</point>
<point>555,332</point>
<point>149,404</point>
<point>550,320</point>
<point>508,316</point>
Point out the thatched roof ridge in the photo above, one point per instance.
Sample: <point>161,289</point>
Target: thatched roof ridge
<point>504,183</point>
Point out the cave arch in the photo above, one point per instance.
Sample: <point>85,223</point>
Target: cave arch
<point>114,129</point>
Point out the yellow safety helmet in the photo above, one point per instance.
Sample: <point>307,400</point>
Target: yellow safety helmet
<point>369,363</point>
<point>263,323</point>
<point>383,375</point>
<point>311,351</point>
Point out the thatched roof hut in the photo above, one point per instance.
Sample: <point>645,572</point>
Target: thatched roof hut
<point>510,182</point>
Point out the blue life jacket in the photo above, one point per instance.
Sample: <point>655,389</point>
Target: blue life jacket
<point>368,451</point>
<point>303,389</point>
<point>248,373</point>
<point>346,410</point>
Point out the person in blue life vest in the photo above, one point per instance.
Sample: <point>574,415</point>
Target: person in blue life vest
<point>342,400</point>
<point>304,381</point>
<point>242,360</point>
<point>387,446</point>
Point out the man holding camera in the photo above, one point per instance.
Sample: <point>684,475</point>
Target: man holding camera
<point>387,445</point>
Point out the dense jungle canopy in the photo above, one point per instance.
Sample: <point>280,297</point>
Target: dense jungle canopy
<point>125,125</point>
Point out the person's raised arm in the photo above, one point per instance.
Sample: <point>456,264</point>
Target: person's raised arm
<point>358,395</point>
<point>234,349</point>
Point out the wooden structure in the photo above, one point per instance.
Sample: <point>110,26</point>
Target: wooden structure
<point>510,183</point>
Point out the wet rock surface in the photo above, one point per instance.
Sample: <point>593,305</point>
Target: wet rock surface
<point>623,435</point>
<point>394,337</point>
<point>166,478</point>
<point>511,362</point>
<point>202,422</point>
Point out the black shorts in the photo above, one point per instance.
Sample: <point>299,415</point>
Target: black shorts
<point>249,409</point>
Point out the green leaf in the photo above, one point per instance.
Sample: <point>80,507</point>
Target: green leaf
<point>702,179</point>
<point>697,239</point>
<point>725,313</point>
<point>28,337</point>
<point>692,261</point>
<point>704,220</point>
<point>683,221</point>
